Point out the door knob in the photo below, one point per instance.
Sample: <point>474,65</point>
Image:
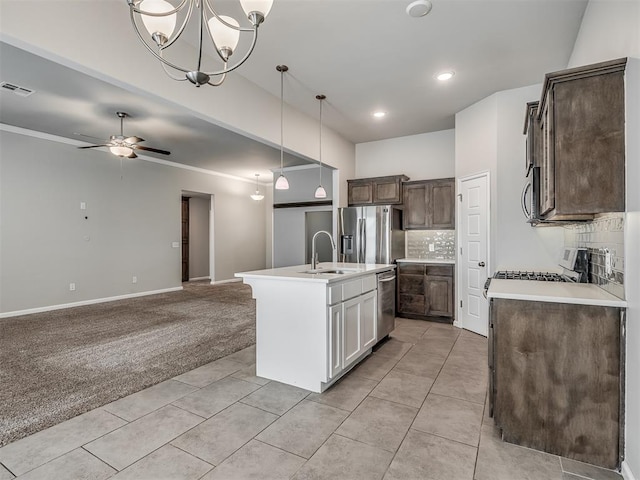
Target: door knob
<point>481,264</point>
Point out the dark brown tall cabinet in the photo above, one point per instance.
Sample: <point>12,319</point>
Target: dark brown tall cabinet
<point>429,204</point>
<point>425,291</point>
<point>581,121</point>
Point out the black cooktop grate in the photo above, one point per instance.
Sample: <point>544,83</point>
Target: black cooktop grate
<point>520,275</point>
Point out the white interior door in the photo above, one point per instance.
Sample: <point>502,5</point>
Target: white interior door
<point>473,248</point>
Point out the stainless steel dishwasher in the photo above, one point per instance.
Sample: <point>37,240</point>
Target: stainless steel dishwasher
<point>386,303</point>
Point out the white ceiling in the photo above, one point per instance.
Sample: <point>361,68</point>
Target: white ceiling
<point>365,55</point>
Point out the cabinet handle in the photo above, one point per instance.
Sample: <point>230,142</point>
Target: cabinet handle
<point>390,279</point>
<point>481,264</point>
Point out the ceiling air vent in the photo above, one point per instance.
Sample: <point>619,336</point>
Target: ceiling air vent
<point>17,89</point>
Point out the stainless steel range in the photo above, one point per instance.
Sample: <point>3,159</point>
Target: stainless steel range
<point>525,275</point>
<point>539,276</point>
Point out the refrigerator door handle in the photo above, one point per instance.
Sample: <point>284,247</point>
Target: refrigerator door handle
<point>364,241</point>
<point>362,244</point>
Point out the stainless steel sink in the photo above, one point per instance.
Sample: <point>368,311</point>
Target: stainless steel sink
<point>334,271</point>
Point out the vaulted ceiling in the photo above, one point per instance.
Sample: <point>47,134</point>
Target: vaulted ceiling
<point>364,55</point>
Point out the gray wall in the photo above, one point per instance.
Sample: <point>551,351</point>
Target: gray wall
<point>303,182</point>
<point>289,226</point>
<point>133,219</point>
<point>198,237</point>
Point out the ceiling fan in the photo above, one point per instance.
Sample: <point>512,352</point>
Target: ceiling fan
<point>122,146</point>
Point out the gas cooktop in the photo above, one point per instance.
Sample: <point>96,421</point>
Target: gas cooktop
<point>539,276</point>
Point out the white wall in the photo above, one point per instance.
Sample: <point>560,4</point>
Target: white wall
<point>518,245</point>
<point>198,237</point>
<point>133,219</point>
<point>420,157</point>
<point>477,151</point>
<point>489,138</point>
<point>611,30</point>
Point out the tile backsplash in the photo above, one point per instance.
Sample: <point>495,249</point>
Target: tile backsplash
<point>602,236</point>
<point>442,241</point>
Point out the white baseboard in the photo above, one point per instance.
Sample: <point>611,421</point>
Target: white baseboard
<point>86,302</point>
<point>226,281</point>
<point>627,474</point>
<point>199,278</point>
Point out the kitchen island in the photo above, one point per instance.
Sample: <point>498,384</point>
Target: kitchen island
<point>555,363</point>
<point>313,326</point>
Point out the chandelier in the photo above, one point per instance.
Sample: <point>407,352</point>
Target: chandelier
<point>160,19</point>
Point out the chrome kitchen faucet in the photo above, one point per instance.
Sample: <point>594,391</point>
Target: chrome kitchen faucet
<point>314,260</point>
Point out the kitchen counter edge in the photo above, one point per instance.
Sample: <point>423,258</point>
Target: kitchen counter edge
<point>427,260</point>
<point>553,292</point>
<point>296,273</point>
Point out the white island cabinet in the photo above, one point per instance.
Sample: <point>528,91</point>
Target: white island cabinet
<point>312,328</point>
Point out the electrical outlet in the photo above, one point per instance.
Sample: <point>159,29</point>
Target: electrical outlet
<point>72,287</point>
<point>134,279</point>
<point>432,247</point>
<point>83,206</point>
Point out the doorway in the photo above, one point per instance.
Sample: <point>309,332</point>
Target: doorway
<point>197,236</point>
<point>473,252</point>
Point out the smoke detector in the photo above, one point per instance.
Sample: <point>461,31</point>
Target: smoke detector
<point>419,8</point>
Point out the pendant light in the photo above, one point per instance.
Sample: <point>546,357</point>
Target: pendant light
<point>282,183</point>
<point>320,191</point>
<point>257,196</point>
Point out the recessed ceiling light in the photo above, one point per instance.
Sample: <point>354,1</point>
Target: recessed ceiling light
<point>444,76</point>
<point>379,114</point>
<point>419,8</point>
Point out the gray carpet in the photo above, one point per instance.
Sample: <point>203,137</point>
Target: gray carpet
<point>56,365</point>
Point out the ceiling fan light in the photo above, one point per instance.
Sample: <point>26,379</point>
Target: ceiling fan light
<point>282,183</point>
<point>263,7</point>
<point>164,25</point>
<point>320,192</point>
<point>225,38</point>
<point>121,151</point>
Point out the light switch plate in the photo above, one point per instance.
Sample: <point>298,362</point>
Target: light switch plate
<point>175,244</point>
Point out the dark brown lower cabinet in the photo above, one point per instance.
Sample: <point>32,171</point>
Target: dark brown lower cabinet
<point>555,377</point>
<point>425,291</point>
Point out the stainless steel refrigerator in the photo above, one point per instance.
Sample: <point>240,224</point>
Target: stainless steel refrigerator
<point>370,234</point>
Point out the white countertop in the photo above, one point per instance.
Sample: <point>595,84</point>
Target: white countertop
<point>297,273</point>
<point>426,260</point>
<point>558,292</point>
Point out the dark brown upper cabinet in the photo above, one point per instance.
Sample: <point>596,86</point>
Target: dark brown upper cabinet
<point>429,205</point>
<point>532,131</point>
<point>581,122</point>
<point>376,191</point>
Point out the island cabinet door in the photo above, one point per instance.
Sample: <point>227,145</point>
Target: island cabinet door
<point>351,330</point>
<point>368,320</point>
<point>335,340</point>
<point>359,323</point>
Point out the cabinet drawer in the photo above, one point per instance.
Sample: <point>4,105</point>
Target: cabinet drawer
<point>350,289</point>
<point>369,283</point>
<point>417,268</point>
<point>441,270</point>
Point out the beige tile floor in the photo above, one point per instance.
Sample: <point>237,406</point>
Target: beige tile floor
<point>414,409</point>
